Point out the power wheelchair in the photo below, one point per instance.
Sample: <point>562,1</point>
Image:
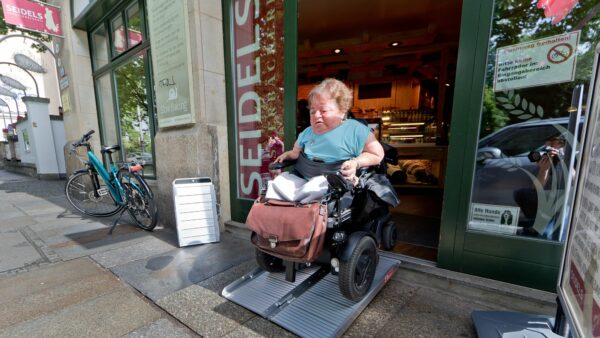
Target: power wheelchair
<point>358,222</point>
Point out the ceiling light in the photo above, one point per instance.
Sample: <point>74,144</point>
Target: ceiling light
<point>338,51</point>
<point>447,85</point>
<point>395,44</point>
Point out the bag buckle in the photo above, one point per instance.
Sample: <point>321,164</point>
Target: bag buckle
<point>273,241</point>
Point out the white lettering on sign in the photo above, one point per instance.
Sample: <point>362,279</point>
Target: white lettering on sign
<point>248,101</point>
<point>536,63</point>
<point>26,13</point>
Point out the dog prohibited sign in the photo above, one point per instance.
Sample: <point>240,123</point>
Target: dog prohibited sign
<point>535,63</point>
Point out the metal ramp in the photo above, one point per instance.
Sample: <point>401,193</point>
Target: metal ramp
<point>312,306</point>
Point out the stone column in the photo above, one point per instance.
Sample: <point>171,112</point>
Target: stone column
<point>42,140</point>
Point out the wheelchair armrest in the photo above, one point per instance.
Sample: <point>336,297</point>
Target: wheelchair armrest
<point>275,166</point>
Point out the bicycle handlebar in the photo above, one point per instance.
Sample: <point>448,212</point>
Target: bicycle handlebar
<point>86,137</point>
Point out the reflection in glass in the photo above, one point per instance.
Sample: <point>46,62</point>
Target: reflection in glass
<point>520,164</point>
<point>107,112</point>
<point>134,25</point>
<point>119,45</point>
<point>136,142</point>
<point>100,47</point>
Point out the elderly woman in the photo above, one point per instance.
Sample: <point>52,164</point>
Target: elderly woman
<point>340,143</point>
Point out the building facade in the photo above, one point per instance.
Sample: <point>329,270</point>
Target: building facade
<point>463,90</point>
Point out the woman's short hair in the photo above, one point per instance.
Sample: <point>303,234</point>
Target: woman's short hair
<point>333,89</point>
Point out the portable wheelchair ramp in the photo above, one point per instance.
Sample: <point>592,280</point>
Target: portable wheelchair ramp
<point>312,306</point>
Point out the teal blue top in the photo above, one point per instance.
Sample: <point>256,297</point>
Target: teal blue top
<point>341,143</point>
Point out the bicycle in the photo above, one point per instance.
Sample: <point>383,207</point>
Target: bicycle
<point>99,192</point>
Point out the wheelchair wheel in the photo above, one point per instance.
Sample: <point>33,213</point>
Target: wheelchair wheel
<point>356,275</point>
<point>269,263</point>
<point>389,235</point>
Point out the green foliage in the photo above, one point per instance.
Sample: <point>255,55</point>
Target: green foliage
<point>133,105</point>
<point>492,118</point>
<point>518,21</point>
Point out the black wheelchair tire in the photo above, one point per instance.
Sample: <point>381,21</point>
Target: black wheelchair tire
<point>356,275</point>
<point>389,234</point>
<point>268,262</point>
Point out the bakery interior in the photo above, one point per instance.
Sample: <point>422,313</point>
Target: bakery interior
<point>399,58</point>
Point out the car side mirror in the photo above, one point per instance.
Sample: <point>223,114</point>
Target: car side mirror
<point>486,153</point>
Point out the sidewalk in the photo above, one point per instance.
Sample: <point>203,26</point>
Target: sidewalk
<point>62,275</point>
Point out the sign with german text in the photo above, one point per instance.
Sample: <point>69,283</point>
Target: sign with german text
<point>494,218</point>
<point>257,56</point>
<point>171,62</point>
<point>34,16</point>
<point>536,63</point>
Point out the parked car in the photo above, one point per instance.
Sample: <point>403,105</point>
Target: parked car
<point>142,158</point>
<point>502,163</point>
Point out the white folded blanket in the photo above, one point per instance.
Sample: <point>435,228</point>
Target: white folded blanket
<point>289,187</point>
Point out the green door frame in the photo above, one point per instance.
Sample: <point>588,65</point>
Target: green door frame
<point>528,262</point>
<point>240,207</point>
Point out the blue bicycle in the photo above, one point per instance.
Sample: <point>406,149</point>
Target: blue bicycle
<point>95,191</point>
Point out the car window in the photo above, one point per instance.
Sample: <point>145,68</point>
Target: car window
<point>522,140</point>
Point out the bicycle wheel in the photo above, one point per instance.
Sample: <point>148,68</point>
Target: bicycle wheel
<point>80,194</point>
<point>140,199</point>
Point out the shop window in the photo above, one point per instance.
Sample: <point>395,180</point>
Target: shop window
<point>107,111</point>
<point>119,44</point>
<point>134,25</point>
<point>134,120</point>
<point>100,54</point>
<point>537,59</point>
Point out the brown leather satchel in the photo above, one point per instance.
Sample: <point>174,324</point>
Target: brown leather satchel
<point>288,230</point>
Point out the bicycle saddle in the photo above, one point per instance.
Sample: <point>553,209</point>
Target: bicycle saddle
<point>110,149</point>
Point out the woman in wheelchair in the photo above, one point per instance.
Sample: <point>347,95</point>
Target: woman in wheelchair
<point>350,232</point>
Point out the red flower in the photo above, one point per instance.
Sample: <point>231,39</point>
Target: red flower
<point>556,9</point>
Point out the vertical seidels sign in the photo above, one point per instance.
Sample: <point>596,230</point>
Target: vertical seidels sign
<point>33,15</point>
<point>258,86</point>
<point>168,23</point>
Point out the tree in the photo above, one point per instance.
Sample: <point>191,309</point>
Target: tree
<point>492,118</point>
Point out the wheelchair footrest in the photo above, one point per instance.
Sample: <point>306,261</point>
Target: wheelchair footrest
<point>312,306</point>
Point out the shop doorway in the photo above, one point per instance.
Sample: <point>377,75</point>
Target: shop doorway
<point>399,58</point>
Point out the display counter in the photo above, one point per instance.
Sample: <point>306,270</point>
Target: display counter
<point>419,165</point>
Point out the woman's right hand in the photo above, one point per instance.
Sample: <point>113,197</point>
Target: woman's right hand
<point>282,157</point>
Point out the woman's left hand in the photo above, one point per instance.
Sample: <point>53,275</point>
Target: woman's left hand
<point>348,170</point>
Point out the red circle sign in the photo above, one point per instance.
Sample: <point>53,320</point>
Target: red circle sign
<point>560,53</point>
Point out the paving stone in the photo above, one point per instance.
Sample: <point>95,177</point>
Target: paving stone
<point>48,277</point>
<point>36,304</point>
<point>204,311</point>
<point>16,222</point>
<point>384,307</point>
<point>260,327</point>
<point>219,281</point>
<point>111,315</point>
<point>432,313</point>
<point>7,215</point>
<point>16,251</point>
<point>179,268</point>
<point>162,328</point>
<point>84,243</point>
<point>149,246</point>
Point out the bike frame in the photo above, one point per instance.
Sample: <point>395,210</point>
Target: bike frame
<point>110,179</point>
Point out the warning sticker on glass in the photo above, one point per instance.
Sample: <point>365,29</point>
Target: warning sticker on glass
<point>536,63</point>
